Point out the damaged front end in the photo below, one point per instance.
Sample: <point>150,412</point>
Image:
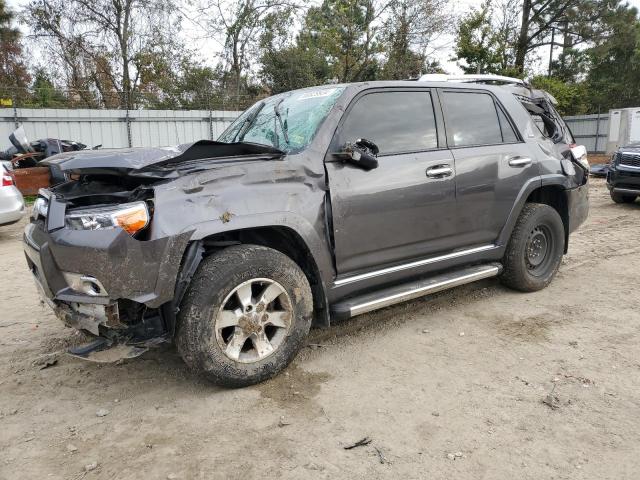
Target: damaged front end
<point>95,256</point>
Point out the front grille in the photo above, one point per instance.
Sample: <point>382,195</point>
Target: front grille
<point>629,159</point>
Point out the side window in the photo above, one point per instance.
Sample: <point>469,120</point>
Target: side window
<point>395,121</point>
<point>508,135</point>
<point>471,119</point>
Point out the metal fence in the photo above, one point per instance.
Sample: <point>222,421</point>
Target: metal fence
<point>116,128</point>
<point>592,131</point>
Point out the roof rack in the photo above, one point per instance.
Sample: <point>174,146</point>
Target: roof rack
<point>475,78</point>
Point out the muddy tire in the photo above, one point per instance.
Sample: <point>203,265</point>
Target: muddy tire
<point>535,249</point>
<point>620,198</point>
<point>245,316</point>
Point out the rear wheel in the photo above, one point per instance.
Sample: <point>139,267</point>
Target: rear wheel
<point>245,316</point>
<point>620,198</point>
<point>535,249</point>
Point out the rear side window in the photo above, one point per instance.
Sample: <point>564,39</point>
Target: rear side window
<point>472,119</point>
<point>395,121</point>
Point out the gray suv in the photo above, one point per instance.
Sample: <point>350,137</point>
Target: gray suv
<point>315,205</point>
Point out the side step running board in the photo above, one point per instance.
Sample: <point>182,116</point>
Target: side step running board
<point>408,291</point>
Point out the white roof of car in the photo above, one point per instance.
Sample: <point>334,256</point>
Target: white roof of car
<point>482,78</point>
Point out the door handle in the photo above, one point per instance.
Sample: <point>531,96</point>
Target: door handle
<point>439,171</point>
<point>520,161</point>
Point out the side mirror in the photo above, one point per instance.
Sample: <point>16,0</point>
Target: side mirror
<point>361,153</point>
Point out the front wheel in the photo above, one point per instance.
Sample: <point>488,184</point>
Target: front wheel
<point>245,316</point>
<point>620,198</point>
<point>535,249</point>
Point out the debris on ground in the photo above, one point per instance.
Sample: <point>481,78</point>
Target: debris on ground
<point>103,412</point>
<point>315,345</point>
<point>360,443</point>
<point>282,422</point>
<point>454,456</point>
<point>381,456</point>
<point>46,361</point>
<point>551,400</point>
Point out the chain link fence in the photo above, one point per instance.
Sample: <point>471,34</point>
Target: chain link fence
<point>207,98</point>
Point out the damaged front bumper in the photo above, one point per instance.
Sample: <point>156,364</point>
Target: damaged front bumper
<point>105,282</point>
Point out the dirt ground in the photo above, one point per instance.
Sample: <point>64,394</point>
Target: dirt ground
<point>449,386</point>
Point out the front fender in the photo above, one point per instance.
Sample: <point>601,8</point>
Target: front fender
<point>312,237</point>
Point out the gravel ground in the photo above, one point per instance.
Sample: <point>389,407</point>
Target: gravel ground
<point>450,386</point>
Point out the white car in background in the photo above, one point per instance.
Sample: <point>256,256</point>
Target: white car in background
<point>11,201</point>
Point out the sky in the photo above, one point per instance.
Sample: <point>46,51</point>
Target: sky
<point>444,44</point>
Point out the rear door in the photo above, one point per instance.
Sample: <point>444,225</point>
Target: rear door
<point>400,210</point>
<point>491,160</point>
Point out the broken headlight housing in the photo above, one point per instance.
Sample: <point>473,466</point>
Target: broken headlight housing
<point>131,217</point>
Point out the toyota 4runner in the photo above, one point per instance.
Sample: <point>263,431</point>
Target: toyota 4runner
<point>314,205</point>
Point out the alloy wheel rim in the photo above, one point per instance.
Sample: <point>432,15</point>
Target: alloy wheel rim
<point>254,320</point>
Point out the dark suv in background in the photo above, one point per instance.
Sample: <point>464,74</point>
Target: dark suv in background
<point>315,205</point>
<point>623,174</point>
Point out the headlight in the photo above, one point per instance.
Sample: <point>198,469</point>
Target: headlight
<point>39,208</point>
<point>614,158</point>
<point>132,217</point>
<point>579,153</point>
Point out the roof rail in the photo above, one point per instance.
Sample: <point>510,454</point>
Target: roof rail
<point>471,78</point>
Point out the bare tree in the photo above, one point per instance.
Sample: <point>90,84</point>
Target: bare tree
<point>579,21</point>
<point>98,41</point>
<point>240,24</point>
<point>410,31</point>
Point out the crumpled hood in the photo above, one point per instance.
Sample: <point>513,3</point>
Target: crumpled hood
<point>124,160</point>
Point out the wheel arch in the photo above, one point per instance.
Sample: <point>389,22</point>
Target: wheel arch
<point>547,192</point>
<point>285,240</point>
<point>554,196</point>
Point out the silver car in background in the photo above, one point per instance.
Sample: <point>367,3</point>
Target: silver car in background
<point>11,201</point>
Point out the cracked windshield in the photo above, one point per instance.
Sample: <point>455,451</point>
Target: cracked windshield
<point>288,121</point>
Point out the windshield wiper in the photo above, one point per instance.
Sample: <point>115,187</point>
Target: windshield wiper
<point>276,109</point>
<point>248,123</point>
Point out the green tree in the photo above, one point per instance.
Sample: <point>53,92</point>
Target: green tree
<point>345,32</point>
<point>288,62</point>
<point>573,98</point>
<point>574,21</point>
<point>486,39</point>
<point>45,93</point>
<point>13,70</point>
<point>614,76</point>
<point>408,34</point>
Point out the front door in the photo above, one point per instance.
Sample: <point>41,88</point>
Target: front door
<point>405,208</point>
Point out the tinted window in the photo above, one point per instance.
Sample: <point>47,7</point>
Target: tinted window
<point>395,121</point>
<point>471,119</point>
<point>508,135</point>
